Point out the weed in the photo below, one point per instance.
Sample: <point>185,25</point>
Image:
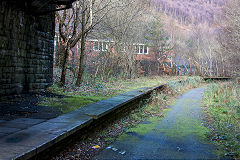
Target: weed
<point>91,91</point>
<point>222,101</point>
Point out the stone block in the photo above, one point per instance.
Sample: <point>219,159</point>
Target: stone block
<point>22,53</point>
<point>65,126</point>
<point>15,125</point>
<point>18,43</point>
<point>10,91</point>
<point>2,121</point>
<point>3,135</point>
<point>19,70</point>
<point>145,89</point>
<point>28,121</point>
<point>20,77</point>
<point>2,92</point>
<point>121,98</point>
<point>5,86</point>
<point>26,143</point>
<point>39,76</point>
<point>134,93</point>
<point>97,110</point>
<point>8,130</point>
<point>5,81</point>
<point>3,42</point>
<point>21,123</point>
<point>10,151</point>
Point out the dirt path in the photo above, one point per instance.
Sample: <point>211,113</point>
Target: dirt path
<point>179,135</point>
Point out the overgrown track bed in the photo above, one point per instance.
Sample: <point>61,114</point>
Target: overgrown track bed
<point>110,127</point>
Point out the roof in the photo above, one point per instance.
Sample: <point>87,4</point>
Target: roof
<point>46,6</point>
<point>42,3</point>
<point>42,6</point>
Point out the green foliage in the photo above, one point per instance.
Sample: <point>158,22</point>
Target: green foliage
<point>222,101</point>
<point>55,89</point>
<point>188,82</point>
<point>157,37</point>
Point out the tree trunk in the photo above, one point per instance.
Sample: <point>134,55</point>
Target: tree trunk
<point>95,75</point>
<point>104,70</point>
<point>83,41</point>
<point>64,66</point>
<point>81,63</point>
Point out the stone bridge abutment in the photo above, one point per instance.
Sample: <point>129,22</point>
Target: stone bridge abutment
<point>26,45</point>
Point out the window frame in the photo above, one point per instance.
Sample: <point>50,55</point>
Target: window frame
<point>141,48</point>
<point>100,46</point>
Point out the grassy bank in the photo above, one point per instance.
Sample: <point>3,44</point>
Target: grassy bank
<point>222,105</point>
<point>112,86</point>
<point>87,93</point>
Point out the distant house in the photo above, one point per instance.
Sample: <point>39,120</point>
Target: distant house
<point>184,67</point>
<point>149,62</point>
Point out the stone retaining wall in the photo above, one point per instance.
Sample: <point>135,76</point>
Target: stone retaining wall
<point>26,50</point>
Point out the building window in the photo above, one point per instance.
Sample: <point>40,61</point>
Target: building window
<point>100,46</point>
<point>145,50</point>
<point>123,48</point>
<point>104,46</point>
<point>96,46</point>
<point>141,49</point>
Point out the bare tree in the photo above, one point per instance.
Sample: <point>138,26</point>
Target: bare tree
<point>70,32</point>
<point>229,37</point>
<point>75,24</point>
<point>121,28</point>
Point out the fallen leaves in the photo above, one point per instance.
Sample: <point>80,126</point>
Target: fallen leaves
<point>96,147</point>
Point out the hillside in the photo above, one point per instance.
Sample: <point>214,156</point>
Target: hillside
<point>190,12</point>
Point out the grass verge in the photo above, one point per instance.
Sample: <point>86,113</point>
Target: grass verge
<point>77,97</point>
<point>222,105</point>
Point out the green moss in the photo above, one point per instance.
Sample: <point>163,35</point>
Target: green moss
<point>185,126</point>
<point>173,102</point>
<point>165,111</point>
<point>143,129</point>
<point>69,104</point>
<point>128,139</point>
